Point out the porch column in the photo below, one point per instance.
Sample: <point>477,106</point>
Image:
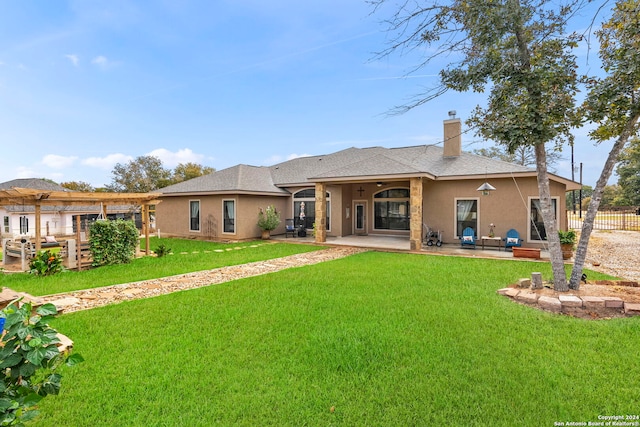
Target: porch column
<point>321,212</point>
<point>415,224</point>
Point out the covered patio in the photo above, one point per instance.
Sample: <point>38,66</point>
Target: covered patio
<point>401,243</point>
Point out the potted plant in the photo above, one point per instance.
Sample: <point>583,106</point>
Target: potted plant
<point>567,242</point>
<point>268,219</point>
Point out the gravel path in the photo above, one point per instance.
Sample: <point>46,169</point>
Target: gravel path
<point>97,297</point>
<point>616,252</point>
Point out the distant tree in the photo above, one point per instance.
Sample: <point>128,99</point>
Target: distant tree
<point>612,196</point>
<point>187,171</point>
<point>628,171</point>
<point>49,181</point>
<point>586,193</point>
<point>78,186</point>
<point>613,103</point>
<point>142,175</point>
<point>522,155</point>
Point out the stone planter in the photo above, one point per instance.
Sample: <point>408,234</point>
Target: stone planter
<point>266,234</point>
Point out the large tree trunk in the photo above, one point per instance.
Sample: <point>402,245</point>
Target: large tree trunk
<point>596,198</point>
<point>549,218</point>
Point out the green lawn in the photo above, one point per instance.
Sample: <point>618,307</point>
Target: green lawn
<point>188,256</point>
<point>373,339</point>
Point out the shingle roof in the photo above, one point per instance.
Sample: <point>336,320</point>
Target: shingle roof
<point>240,178</point>
<point>349,163</point>
<point>35,183</point>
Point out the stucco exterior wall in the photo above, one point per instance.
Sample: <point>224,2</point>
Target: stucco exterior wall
<point>173,216</point>
<point>507,207</point>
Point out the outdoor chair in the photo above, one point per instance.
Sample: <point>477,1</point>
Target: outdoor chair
<point>468,238</point>
<point>289,227</point>
<point>512,240</point>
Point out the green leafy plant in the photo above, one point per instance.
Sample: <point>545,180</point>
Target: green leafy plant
<point>269,218</point>
<point>46,263</point>
<point>162,250</point>
<point>113,242</point>
<point>29,361</point>
<point>567,237</point>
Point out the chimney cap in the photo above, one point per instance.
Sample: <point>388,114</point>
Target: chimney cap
<point>452,114</point>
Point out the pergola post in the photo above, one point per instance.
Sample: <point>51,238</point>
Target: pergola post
<point>38,224</point>
<point>321,212</point>
<point>415,223</point>
<point>145,228</point>
<point>78,253</point>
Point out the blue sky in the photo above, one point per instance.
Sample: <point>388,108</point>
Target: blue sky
<point>88,84</point>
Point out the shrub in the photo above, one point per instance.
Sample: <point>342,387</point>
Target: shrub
<point>29,361</point>
<point>113,242</point>
<point>46,263</point>
<point>567,237</point>
<point>269,218</point>
<point>162,250</point>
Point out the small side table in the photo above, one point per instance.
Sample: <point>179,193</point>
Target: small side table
<point>496,239</point>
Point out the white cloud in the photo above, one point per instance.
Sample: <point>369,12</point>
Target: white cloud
<point>107,162</point>
<point>58,162</point>
<point>172,159</point>
<point>101,61</point>
<point>73,58</point>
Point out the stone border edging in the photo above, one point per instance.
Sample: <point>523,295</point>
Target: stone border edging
<point>568,304</point>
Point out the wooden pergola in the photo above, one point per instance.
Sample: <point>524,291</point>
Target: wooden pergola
<point>39,198</point>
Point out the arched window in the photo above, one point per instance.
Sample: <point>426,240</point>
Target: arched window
<point>308,197</point>
<point>391,209</point>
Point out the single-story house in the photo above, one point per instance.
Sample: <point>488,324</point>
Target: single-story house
<point>364,191</point>
<point>19,219</point>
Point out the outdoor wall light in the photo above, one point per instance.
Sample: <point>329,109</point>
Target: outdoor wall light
<point>486,188</point>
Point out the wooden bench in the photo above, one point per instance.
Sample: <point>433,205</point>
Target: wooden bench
<point>15,251</point>
<point>533,253</point>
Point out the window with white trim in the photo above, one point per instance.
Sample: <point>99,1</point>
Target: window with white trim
<point>466,215</point>
<point>6,224</point>
<point>194,215</point>
<point>537,231</point>
<point>24,225</point>
<point>229,216</point>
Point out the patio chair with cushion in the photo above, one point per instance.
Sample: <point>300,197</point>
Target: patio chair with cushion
<point>289,227</point>
<point>512,240</point>
<point>468,238</point>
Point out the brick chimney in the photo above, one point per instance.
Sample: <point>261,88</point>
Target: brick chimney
<point>452,136</point>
